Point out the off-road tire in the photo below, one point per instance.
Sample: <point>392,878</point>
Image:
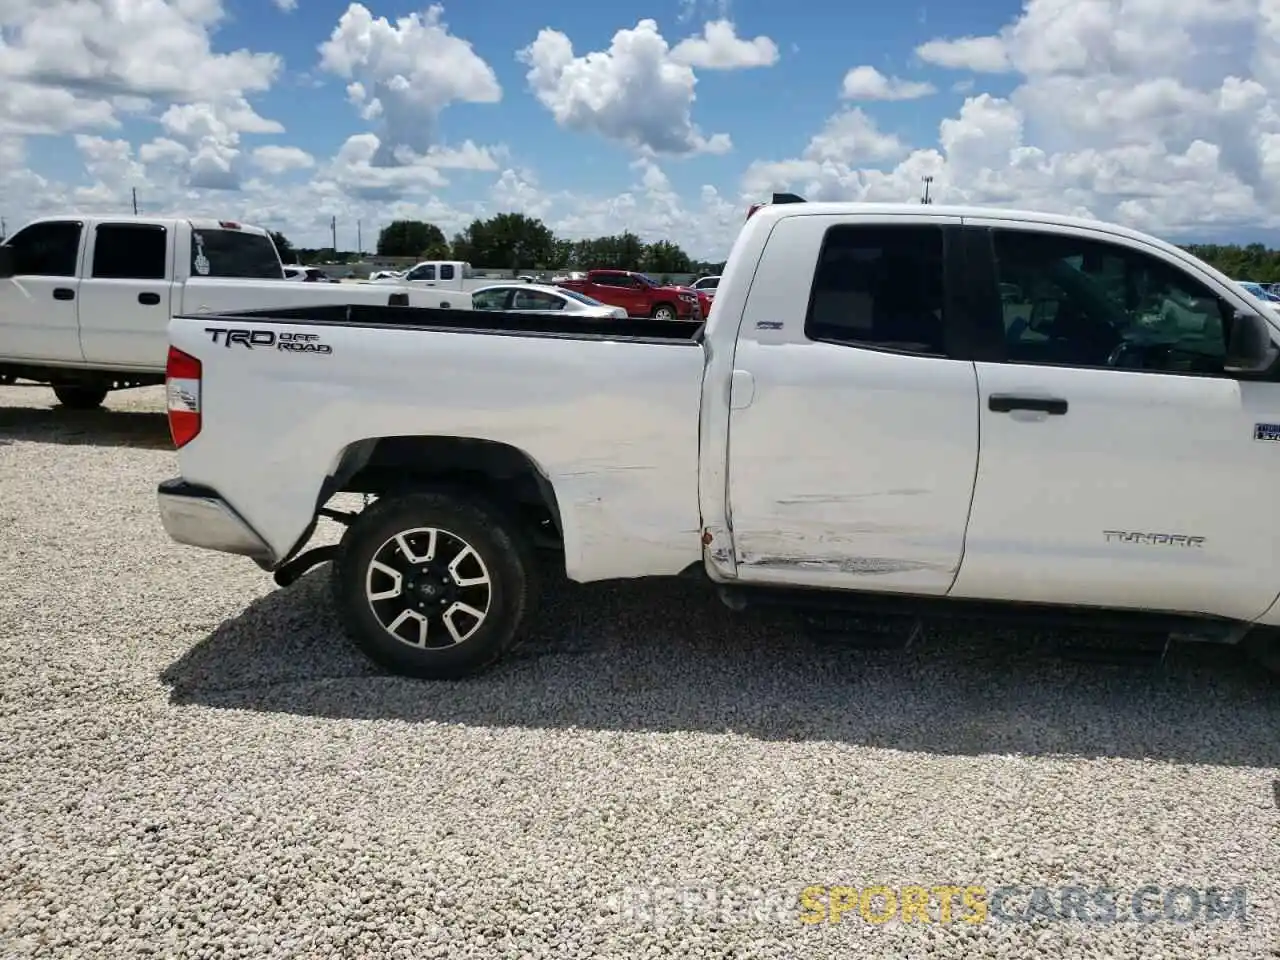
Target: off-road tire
<point>502,547</point>
<point>75,397</point>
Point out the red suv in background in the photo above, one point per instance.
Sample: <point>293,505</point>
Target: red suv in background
<point>642,296</point>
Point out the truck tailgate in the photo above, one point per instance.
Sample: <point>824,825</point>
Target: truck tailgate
<point>611,422</point>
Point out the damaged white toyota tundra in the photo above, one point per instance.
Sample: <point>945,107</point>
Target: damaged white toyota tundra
<point>906,410</point>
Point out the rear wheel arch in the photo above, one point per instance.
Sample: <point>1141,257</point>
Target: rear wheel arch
<point>501,473</point>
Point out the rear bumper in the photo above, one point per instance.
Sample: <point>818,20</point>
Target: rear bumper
<point>199,517</point>
<point>687,310</point>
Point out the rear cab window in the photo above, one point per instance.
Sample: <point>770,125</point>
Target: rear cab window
<point>880,286</point>
<point>236,254</point>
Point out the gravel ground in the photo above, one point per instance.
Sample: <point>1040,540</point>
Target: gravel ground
<point>194,763</point>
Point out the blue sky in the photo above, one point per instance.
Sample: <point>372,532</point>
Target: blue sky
<point>1161,116</point>
<point>769,113</point>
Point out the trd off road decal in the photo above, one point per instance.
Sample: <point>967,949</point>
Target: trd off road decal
<point>292,342</point>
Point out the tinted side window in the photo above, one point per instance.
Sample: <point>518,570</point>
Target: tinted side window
<point>880,286</point>
<point>446,271</point>
<point>422,273</point>
<point>1078,302</point>
<point>535,300</point>
<point>46,249</point>
<point>231,253</point>
<point>489,299</point>
<point>130,251</point>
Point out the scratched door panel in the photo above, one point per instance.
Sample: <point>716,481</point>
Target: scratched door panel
<point>849,468</point>
<point>852,468</point>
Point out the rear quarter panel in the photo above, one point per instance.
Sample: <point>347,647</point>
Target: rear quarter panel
<point>612,425</point>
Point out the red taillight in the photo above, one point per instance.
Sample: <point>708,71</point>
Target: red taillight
<point>182,385</point>
<point>228,225</point>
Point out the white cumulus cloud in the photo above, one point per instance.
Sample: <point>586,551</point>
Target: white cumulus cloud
<point>635,92</point>
<point>404,74</point>
<point>720,48</point>
<point>868,83</point>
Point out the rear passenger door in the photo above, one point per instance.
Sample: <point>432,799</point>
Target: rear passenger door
<point>853,430</point>
<point>1121,465</point>
<point>126,295</point>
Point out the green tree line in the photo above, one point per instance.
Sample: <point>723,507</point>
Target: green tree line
<point>1253,261</point>
<point>514,240</point>
<point>510,241</point>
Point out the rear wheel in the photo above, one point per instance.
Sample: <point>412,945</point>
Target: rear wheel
<point>433,585</point>
<point>75,397</point>
<point>664,311</point>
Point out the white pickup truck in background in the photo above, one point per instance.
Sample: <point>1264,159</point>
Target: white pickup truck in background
<point>437,275</point>
<point>897,409</point>
<point>85,302</point>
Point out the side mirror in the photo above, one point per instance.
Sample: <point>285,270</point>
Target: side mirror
<point>1249,349</point>
<point>8,267</point>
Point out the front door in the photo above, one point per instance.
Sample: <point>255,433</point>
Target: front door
<point>125,297</point>
<point>1120,465</point>
<point>39,308</point>
<point>853,434</point>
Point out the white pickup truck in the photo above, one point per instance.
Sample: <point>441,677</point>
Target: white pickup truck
<point>908,409</point>
<point>435,274</point>
<point>85,302</point>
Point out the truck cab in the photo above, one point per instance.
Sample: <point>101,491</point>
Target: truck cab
<point>437,274</point>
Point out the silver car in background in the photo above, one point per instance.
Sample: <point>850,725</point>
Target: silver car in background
<point>537,298</point>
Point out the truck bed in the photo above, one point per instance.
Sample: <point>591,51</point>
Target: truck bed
<point>482,322</point>
<point>605,411</point>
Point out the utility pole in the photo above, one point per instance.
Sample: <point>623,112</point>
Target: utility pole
<point>333,228</point>
<point>925,198</point>
<point>359,241</point>
<point>4,229</point>
<point>135,201</point>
